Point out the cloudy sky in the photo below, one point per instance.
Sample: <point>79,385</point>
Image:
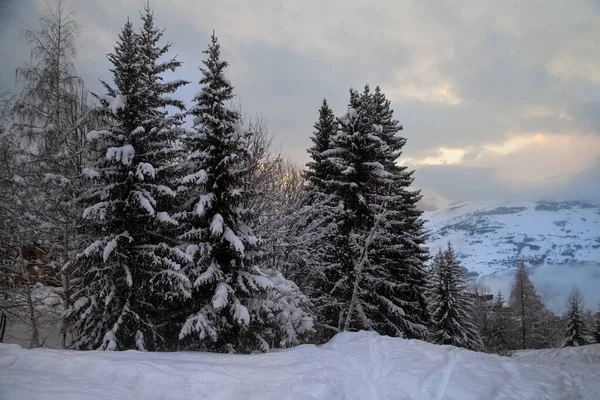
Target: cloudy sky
<point>500,100</point>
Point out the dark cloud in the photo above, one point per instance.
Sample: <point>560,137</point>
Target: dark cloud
<point>289,88</point>
<point>590,112</point>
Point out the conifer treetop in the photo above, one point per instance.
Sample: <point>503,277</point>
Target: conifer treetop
<point>215,89</point>
<point>575,330</point>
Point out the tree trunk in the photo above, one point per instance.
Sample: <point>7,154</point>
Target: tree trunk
<point>35,339</point>
<point>3,323</point>
<point>522,278</point>
<point>66,290</point>
<point>359,265</point>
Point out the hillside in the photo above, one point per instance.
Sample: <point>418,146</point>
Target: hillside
<point>490,237</point>
<point>560,241</point>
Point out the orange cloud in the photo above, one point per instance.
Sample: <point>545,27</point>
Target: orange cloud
<point>525,158</point>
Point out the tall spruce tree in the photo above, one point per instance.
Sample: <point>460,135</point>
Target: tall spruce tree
<point>325,128</point>
<point>322,210</point>
<point>451,307</point>
<point>163,152</point>
<point>343,280</point>
<point>575,330</point>
<point>528,309</point>
<point>400,250</point>
<point>370,284</point>
<point>131,269</point>
<point>236,306</point>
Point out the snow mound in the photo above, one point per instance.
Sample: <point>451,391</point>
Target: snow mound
<point>359,365</point>
<point>573,355</point>
<point>582,364</point>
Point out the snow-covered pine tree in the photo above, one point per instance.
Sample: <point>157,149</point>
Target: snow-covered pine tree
<point>130,261</point>
<point>321,211</point>
<point>450,305</point>
<point>162,150</point>
<point>376,278</point>
<point>400,251</point>
<point>575,330</point>
<point>501,328</point>
<point>527,308</point>
<point>236,306</point>
<point>350,148</point>
<point>318,169</point>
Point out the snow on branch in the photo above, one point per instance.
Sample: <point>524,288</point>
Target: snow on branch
<point>124,154</point>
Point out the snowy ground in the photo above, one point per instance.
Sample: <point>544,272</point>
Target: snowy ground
<point>580,364</point>
<point>360,365</point>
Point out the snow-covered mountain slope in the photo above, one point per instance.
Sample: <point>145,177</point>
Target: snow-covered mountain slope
<point>490,237</point>
<point>352,366</point>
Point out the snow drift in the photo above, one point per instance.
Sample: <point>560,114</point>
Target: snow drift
<point>359,365</point>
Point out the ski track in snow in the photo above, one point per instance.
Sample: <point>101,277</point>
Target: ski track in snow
<point>352,366</point>
<point>441,374</point>
<point>446,376</point>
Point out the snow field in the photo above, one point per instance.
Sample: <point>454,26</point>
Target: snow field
<point>360,365</point>
<point>491,237</point>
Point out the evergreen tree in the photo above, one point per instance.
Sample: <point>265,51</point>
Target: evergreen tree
<point>162,151</point>
<point>349,305</point>
<point>374,277</point>
<point>236,306</point>
<point>318,169</point>
<point>451,307</point>
<point>131,268</point>
<point>596,329</point>
<point>550,330</point>
<point>502,327</point>
<point>322,211</point>
<point>400,250</point>
<point>527,308</point>
<point>575,331</point>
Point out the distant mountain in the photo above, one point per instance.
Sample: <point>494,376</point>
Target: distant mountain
<point>491,237</point>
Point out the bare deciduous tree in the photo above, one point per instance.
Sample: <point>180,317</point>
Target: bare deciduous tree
<point>528,310</point>
<point>51,117</point>
<point>482,308</point>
